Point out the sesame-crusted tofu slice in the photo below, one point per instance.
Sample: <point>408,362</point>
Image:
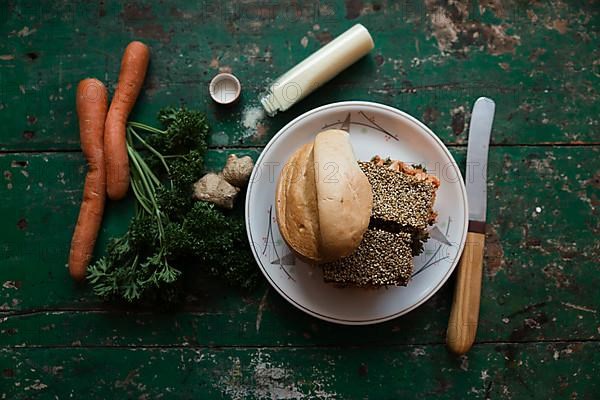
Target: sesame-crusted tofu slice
<point>400,197</point>
<point>382,258</point>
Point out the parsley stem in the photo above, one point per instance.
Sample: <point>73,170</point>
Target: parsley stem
<point>150,148</point>
<point>145,127</point>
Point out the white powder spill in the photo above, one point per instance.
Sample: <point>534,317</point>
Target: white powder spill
<point>251,117</point>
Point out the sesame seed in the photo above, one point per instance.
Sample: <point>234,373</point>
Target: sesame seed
<point>400,197</point>
<point>402,210</point>
<point>382,258</point>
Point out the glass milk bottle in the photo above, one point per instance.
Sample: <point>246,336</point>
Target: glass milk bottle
<point>317,69</point>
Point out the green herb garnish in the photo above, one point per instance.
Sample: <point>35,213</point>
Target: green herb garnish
<point>171,234</point>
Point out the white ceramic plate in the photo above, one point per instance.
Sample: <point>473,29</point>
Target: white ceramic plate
<point>374,129</point>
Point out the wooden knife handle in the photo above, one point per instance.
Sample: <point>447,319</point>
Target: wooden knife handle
<point>464,316</point>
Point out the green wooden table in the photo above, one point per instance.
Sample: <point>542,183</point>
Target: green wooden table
<point>540,317</point>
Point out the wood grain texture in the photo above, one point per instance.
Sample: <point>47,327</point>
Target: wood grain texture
<point>540,268</point>
<point>538,325</point>
<point>490,371</point>
<point>415,66</point>
<point>464,314</point>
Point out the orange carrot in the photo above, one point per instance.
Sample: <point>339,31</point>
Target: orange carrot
<point>92,103</point>
<point>131,77</point>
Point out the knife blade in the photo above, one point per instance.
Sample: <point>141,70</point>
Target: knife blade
<point>480,131</point>
<point>437,234</point>
<point>464,315</point>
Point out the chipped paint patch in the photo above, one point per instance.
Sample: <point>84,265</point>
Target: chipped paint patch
<point>559,25</point>
<point>499,42</point>
<point>324,37</point>
<point>532,16</point>
<point>495,6</point>
<point>464,362</point>
<point>26,32</point>
<point>271,380</point>
<point>494,253</point>
<point>532,323</point>
<point>456,31</point>
<point>430,115</point>
<point>579,308</point>
<point>444,30</point>
<point>10,285</point>
<point>542,165</point>
<point>556,272</point>
<point>458,123</point>
<point>594,181</point>
<point>418,352</point>
<point>36,385</point>
<point>261,309</point>
<point>252,52</point>
<point>353,8</point>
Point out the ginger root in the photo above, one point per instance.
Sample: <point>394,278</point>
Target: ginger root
<point>237,170</point>
<point>222,188</point>
<point>215,189</point>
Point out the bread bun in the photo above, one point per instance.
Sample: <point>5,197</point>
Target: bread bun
<point>344,195</point>
<point>296,203</point>
<point>323,199</point>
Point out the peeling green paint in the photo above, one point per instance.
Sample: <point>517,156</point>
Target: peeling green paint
<point>539,323</point>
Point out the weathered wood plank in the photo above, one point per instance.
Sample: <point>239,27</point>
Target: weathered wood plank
<point>540,272</point>
<point>41,197</point>
<point>431,61</point>
<point>504,371</point>
<point>539,331</point>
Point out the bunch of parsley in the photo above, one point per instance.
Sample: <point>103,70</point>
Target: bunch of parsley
<point>171,234</point>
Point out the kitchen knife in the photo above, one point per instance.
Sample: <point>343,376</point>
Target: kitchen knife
<point>435,233</point>
<point>464,315</point>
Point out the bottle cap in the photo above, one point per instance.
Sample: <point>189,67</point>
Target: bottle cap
<point>225,88</point>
